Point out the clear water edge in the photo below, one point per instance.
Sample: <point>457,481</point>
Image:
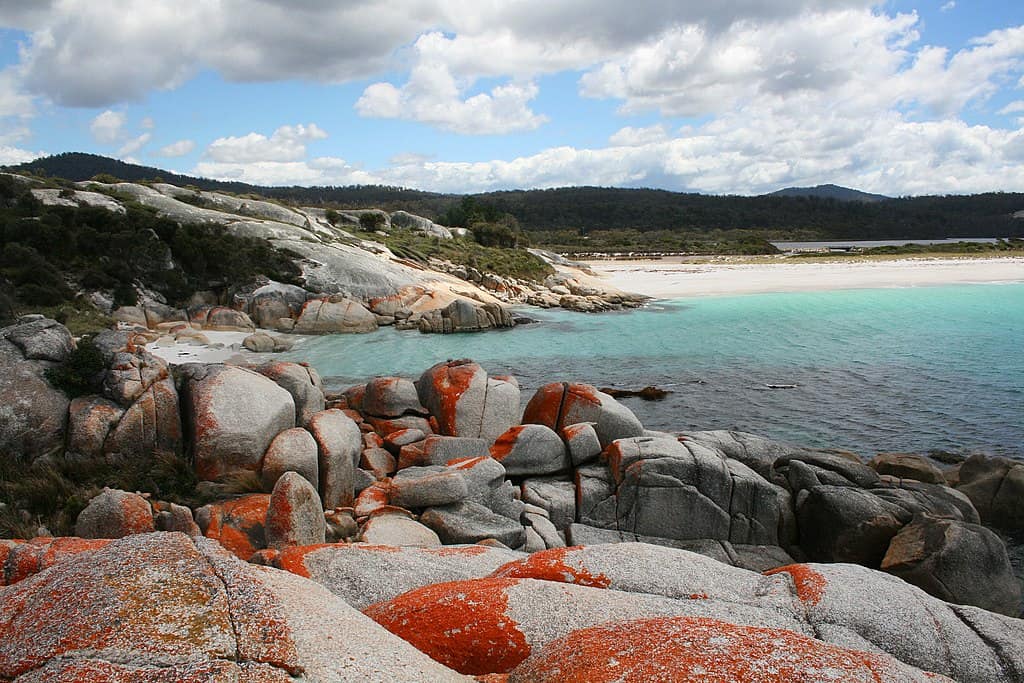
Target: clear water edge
<point>911,369</point>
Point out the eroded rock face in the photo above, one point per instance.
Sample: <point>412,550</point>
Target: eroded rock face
<point>233,414</point>
<point>560,404</point>
<point>162,606</point>
<point>531,450</point>
<point>392,397</point>
<point>846,524</point>
<point>908,466</point>
<point>238,525</point>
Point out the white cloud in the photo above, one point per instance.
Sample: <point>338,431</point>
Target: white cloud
<point>286,144</point>
<point>108,127</point>
<point>158,44</point>
<point>134,145</point>
<point>177,149</point>
<point>634,137</point>
<point>433,96</point>
<point>318,171</point>
<point>147,123</point>
<point>14,155</point>
<point>948,6</point>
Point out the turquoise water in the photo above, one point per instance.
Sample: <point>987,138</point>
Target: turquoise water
<point>880,369</point>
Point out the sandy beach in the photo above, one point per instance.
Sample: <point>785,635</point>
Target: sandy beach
<point>675,277</point>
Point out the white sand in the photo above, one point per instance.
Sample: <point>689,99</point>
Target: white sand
<point>673,277</point>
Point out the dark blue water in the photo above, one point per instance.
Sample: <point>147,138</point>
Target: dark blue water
<point>882,369</point>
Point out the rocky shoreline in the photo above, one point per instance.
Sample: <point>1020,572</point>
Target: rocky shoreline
<point>448,532</point>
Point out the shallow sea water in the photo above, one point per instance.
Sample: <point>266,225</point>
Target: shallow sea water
<point>873,370</point>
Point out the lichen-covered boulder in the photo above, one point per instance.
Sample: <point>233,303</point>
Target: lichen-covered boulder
<point>363,574</point>
<point>160,607</point>
<point>221,318</point>
<point>340,444</point>
<point>853,606</point>
<point>295,515</point>
<point>699,649</point>
<point>560,404</point>
<point>90,421</point>
<point>302,382</point>
<point>491,625</point>
<point>466,402</point>
<point>957,562</point>
<point>392,397</point>
<point>233,414</point>
<point>115,514</point>
<point>150,425</point>
<point>334,315</point>
<point>238,525</point>
<point>582,442</point>
<point>21,559</point>
<point>293,450</point>
<point>531,450</point>
<point>440,450</point>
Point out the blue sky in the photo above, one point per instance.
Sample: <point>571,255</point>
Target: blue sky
<point>899,97</point>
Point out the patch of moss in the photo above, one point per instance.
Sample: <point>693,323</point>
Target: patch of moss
<point>503,261</point>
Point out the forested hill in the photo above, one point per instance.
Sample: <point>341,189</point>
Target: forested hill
<point>589,209</point>
<point>843,194</point>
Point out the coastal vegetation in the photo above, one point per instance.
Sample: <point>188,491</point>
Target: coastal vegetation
<point>586,210</point>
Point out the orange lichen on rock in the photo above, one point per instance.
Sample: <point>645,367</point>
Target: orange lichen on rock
<point>506,442</point>
<point>451,381</point>
<point>461,624</point>
<point>293,558</point>
<point>466,463</point>
<point>545,408</point>
<point>810,585</point>
<point>373,498</point>
<point>19,560</point>
<point>699,649</point>
<point>552,565</point>
<point>238,524</point>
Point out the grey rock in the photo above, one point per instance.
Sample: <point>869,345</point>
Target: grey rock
<point>397,528</point>
<point>996,487</point>
<point>44,339</point>
<point>421,487</point>
<point>846,524</point>
<point>957,562</point>
<point>295,515</point>
<point>302,382</point>
<point>463,315</point>
<point>907,466</point>
<point>233,414</point>
<point>559,404</point>
<point>363,575</point>
<point>469,522</point>
<point>340,444</point>
<point>293,450</point>
<point>392,397</point>
<point>582,442</point>
<point>556,496</point>
<point>334,315</point>
<point>115,514</point>
<point>531,450</point>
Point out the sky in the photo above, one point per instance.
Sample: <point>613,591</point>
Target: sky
<point>898,97</point>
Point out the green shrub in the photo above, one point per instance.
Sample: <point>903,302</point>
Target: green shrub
<point>81,373</point>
